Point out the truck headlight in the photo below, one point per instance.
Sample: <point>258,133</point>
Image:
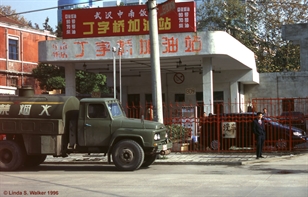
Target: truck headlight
<point>157,136</point>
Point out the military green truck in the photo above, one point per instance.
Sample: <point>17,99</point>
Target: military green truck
<point>35,126</point>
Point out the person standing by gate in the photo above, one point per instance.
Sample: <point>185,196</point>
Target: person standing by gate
<point>259,130</point>
<point>150,113</point>
<point>265,112</point>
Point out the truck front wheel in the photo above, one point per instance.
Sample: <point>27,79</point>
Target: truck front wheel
<point>127,155</point>
<point>12,155</point>
<point>149,160</point>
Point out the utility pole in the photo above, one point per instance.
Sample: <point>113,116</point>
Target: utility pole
<point>114,50</point>
<point>120,74</point>
<point>155,63</point>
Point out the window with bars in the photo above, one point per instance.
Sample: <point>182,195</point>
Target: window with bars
<point>13,49</point>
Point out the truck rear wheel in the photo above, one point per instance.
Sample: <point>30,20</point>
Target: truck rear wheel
<point>12,155</point>
<point>34,160</point>
<point>149,160</point>
<point>127,155</point>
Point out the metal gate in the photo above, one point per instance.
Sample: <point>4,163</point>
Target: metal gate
<point>285,122</point>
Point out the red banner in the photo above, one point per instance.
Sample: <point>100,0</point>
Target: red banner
<point>126,20</point>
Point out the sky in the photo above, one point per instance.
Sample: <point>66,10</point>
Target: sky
<point>35,17</point>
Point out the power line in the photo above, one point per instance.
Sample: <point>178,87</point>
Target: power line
<point>44,9</point>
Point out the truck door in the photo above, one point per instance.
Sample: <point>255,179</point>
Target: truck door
<point>97,125</point>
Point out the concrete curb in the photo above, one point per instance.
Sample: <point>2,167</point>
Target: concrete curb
<point>228,163</point>
<point>155,163</point>
<point>269,159</point>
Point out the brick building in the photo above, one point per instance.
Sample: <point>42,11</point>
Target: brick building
<point>19,54</point>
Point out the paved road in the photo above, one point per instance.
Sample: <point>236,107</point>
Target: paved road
<point>278,176</point>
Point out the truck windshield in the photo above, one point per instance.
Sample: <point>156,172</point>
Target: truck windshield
<point>115,109</point>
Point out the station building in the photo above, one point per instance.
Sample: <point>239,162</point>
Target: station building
<point>204,68</point>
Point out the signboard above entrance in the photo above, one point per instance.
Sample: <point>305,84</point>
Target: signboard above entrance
<point>126,20</point>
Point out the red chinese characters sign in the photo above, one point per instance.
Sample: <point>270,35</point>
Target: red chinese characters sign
<point>97,48</point>
<point>125,20</point>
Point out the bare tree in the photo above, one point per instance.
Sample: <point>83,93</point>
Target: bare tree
<point>36,26</point>
<point>46,26</point>
<point>7,11</point>
<point>59,31</point>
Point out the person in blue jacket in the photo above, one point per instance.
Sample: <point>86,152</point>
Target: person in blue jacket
<point>259,130</point>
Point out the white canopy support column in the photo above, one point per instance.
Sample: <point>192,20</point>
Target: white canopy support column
<point>207,82</point>
<point>235,97</point>
<point>70,82</point>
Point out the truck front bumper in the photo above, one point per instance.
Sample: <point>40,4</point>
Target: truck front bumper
<point>165,152</point>
<point>164,149</point>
